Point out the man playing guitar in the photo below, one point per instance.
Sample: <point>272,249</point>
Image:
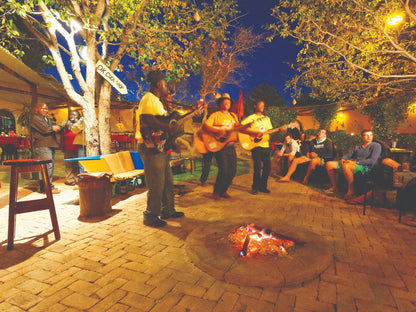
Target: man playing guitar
<point>221,124</point>
<point>150,136</point>
<point>261,153</point>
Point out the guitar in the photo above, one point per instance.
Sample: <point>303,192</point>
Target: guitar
<point>211,142</point>
<point>164,140</point>
<point>248,141</point>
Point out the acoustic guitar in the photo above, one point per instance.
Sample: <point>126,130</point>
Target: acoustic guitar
<point>209,142</point>
<point>164,140</point>
<point>248,141</point>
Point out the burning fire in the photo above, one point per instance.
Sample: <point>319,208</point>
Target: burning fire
<point>251,240</point>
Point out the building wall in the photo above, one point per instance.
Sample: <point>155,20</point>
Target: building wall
<point>121,120</point>
<point>16,110</point>
<point>354,122</point>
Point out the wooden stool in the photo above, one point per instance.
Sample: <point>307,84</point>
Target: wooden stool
<point>15,207</point>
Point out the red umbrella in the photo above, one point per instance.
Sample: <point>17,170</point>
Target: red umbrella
<point>240,105</point>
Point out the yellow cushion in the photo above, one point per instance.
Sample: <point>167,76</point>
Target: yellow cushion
<point>126,161</point>
<point>95,165</point>
<point>113,162</point>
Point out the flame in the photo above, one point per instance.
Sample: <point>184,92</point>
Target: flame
<point>252,240</point>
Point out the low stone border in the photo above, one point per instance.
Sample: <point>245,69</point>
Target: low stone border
<point>209,249</point>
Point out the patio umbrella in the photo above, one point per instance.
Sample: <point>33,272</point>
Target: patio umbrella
<point>240,105</point>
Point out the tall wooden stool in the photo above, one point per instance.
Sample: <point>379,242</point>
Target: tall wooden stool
<point>15,207</point>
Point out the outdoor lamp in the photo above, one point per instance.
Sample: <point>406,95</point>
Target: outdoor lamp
<point>197,17</point>
<point>395,19</point>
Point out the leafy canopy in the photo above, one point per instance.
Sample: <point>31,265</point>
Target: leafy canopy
<point>350,52</point>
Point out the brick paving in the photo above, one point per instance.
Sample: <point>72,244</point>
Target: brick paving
<point>117,264</point>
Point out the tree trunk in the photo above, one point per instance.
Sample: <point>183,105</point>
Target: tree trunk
<point>104,117</point>
<point>90,117</point>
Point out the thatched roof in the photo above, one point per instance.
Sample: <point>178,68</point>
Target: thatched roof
<point>19,83</point>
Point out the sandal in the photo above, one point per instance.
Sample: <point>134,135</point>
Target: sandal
<point>330,191</point>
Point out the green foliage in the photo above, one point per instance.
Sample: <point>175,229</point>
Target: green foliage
<point>24,117</point>
<point>19,42</point>
<point>348,52</point>
<point>157,34</point>
<point>280,116</point>
<point>266,93</point>
<point>387,114</point>
<point>344,141</point>
<point>407,141</point>
<point>325,115</point>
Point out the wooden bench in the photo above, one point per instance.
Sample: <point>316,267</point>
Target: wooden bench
<point>126,167</point>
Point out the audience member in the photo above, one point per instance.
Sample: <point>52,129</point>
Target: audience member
<point>295,129</point>
<point>290,150</point>
<point>320,150</point>
<point>360,159</point>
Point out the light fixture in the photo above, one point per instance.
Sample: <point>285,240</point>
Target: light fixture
<point>75,25</point>
<point>394,19</point>
<point>197,17</point>
<point>82,51</point>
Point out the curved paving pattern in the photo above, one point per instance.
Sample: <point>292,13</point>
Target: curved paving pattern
<point>209,249</point>
<point>117,264</point>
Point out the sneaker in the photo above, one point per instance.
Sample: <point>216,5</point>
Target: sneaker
<point>175,215</point>
<point>254,192</point>
<point>56,191</point>
<point>155,223</point>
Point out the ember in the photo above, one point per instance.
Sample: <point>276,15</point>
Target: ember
<point>251,240</point>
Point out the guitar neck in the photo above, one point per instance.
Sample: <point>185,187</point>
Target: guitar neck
<point>271,131</point>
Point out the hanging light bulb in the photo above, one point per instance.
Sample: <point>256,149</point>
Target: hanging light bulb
<point>197,17</point>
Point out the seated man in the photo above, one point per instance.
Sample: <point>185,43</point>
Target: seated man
<point>320,149</point>
<point>360,159</point>
<point>290,149</point>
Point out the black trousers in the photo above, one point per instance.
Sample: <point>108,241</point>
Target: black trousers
<point>227,168</point>
<point>206,165</point>
<point>261,166</point>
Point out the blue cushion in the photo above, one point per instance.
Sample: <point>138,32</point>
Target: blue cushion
<point>137,161</point>
<point>84,158</point>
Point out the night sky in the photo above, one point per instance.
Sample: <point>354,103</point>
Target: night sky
<point>267,64</point>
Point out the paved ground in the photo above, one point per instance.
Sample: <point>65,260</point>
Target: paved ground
<point>117,264</point>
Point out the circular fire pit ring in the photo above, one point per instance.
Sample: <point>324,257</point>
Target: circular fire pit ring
<point>210,250</point>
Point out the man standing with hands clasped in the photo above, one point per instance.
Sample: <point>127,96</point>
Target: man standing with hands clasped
<point>44,143</point>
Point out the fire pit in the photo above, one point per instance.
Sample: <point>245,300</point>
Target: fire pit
<point>215,250</point>
<point>251,240</point>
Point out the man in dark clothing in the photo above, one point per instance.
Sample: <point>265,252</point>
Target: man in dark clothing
<point>44,140</point>
<point>150,136</point>
<point>321,149</point>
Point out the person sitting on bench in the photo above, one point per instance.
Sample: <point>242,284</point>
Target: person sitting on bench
<point>321,149</point>
<point>360,159</point>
